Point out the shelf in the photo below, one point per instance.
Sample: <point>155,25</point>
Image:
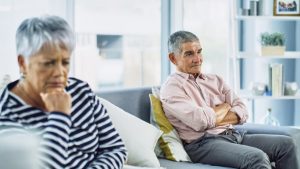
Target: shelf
<point>270,97</point>
<point>246,94</point>
<point>281,18</point>
<point>244,32</point>
<point>251,55</point>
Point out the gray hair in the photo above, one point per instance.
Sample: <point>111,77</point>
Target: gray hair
<point>178,38</point>
<point>34,34</point>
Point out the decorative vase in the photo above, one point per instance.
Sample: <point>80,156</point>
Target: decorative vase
<point>258,89</point>
<point>272,50</point>
<point>290,88</point>
<point>269,119</point>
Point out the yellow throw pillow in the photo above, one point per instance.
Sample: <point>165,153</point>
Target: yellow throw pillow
<point>169,142</point>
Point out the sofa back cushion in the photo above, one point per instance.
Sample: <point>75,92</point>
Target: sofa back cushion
<point>134,100</point>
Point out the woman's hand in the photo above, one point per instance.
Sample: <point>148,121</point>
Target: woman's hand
<point>221,111</point>
<point>57,100</point>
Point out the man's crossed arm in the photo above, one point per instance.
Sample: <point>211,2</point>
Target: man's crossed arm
<point>224,115</point>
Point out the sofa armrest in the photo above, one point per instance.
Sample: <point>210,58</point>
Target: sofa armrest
<point>266,129</point>
<point>280,130</point>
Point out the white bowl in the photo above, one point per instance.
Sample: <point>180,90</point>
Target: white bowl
<point>290,88</point>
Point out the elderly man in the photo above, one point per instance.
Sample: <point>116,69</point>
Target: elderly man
<point>203,109</point>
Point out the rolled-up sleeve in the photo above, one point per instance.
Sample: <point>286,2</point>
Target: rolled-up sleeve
<point>236,103</point>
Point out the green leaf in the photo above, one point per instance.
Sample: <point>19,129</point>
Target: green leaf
<point>273,39</point>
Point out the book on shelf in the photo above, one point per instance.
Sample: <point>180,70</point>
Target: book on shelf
<point>276,79</point>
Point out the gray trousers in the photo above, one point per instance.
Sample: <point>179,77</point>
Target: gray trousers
<point>245,151</point>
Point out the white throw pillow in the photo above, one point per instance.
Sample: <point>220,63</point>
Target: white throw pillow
<point>139,137</point>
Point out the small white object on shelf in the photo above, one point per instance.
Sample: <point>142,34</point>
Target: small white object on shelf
<point>290,88</point>
<point>258,89</point>
<point>247,94</point>
<point>265,7</point>
<point>269,119</point>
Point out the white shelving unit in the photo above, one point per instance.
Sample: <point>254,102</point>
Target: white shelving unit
<point>238,55</point>
<point>249,55</point>
<point>247,95</point>
<point>279,18</point>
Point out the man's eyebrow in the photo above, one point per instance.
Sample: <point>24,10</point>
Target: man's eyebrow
<point>188,51</point>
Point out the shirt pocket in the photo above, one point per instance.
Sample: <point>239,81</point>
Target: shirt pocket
<point>216,99</point>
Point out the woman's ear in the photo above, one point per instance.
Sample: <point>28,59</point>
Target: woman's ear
<point>172,58</point>
<point>22,64</point>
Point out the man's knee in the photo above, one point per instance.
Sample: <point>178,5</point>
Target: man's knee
<point>256,159</point>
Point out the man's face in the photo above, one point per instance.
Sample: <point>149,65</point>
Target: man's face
<point>189,58</point>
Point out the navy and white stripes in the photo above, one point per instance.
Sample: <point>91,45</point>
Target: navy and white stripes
<point>85,139</point>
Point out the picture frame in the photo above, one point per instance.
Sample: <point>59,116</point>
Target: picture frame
<point>286,8</point>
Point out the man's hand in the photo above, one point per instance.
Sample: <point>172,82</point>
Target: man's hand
<point>221,112</point>
<point>230,118</point>
<point>57,100</point>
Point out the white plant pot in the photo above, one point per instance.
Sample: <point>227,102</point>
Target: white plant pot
<point>272,50</point>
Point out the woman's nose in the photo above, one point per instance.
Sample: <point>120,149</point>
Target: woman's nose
<point>59,69</point>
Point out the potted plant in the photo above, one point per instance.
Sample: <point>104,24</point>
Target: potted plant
<point>272,44</point>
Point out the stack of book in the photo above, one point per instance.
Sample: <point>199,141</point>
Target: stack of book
<point>276,79</point>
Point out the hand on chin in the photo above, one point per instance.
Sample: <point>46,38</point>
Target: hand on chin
<point>57,99</point>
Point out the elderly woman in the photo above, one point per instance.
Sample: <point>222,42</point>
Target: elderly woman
<point>75,128</point>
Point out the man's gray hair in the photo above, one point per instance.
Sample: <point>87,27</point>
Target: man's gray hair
<point>34,34</point>
<point>178,38</point>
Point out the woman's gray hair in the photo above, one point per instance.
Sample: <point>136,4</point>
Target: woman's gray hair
<point>35,34</point>
<point>178,38</point>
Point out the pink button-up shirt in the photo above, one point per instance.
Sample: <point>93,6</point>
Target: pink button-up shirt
<point>188,104</point>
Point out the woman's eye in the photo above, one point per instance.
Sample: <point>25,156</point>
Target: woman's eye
<point>66,63</point>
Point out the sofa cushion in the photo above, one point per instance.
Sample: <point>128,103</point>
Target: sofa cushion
<point>169,142</point>
<point>137,167</point>
<point>187,165</point>
<point>139,137</point>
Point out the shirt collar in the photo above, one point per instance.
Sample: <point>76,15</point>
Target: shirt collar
<point>187,76</point>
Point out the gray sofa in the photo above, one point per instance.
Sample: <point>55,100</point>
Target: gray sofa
<point>136,101</point>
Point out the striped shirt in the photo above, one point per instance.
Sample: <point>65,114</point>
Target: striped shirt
<point>85,139</point>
